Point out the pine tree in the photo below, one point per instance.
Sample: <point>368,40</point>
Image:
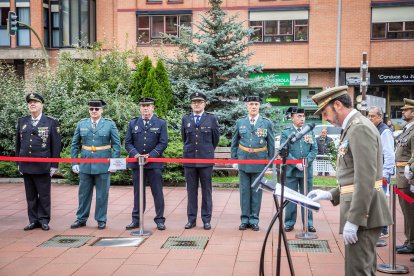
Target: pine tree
<point>161,75</point>
<point>153,89</point>
<point>139,78</point>
<point>214,59</point>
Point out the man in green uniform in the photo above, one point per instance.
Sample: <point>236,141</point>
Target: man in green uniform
<point>252,139</point>
<point>364,209</point>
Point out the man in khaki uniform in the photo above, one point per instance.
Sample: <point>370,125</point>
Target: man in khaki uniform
<point>405,166</point>
<point>364,209</point>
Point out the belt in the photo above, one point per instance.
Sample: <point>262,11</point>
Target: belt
<point>350,188</point>
<point>93,148</point>
<point>252,149</point>
<point>401,164</point>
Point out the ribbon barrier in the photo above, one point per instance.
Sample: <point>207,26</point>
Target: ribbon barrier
<point>404,195</point>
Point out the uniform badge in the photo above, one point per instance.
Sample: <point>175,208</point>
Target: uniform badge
<point>58,129</point>
<point>24,127</point>
<point>261,141</point>
<point>136,127</point>
<point>188,125</point>
<point>343,148</point>
<point>308,139</point>
<point>43,133</point>
<point>44,145</point>
<point>261,132</point>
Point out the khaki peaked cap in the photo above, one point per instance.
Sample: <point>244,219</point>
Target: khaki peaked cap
<point>408,103</point>
<point>324,97</point>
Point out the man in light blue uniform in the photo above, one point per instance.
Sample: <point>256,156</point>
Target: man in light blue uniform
<point>95,137</point>
<point>252,139</point>
<point>307,148</point>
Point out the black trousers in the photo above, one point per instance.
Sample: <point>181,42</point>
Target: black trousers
<point>153,177</point>
<point>194,176</point>
<point>37,187</point>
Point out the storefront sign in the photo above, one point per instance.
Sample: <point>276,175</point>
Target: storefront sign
<point>306,97</point>
<point>284,79</point>
<point>402,77</point>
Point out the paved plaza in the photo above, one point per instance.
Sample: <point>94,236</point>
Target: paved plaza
<point>228,251</point>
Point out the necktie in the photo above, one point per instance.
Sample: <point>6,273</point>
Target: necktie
<point>197,120</point>
<point>252,122</point>
<point>34,122</point>
<point>145,123</point>
<point>404,129</point>
<point>93,124</point>
<point>299,129</point>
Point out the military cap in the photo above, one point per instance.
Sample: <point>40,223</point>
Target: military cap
<point>324,97</point>
<point>96,103</point>
<point>34,97</point>
<point>252,99</point>
<point>198,96</point>
<point>146,100</point>
<point>408,103</point>
<point>294,110</point>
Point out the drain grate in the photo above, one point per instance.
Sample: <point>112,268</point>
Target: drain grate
<point>196,242</point>
<point>309,246</point>
<point>66,241</point>
<point>118,242</point>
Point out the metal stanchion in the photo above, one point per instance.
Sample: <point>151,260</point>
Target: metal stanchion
<point>305,235</point>
<point>141,231</point>
<point>392,268</point>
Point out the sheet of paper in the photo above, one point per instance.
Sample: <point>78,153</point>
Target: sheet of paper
<point>117,164</point>
<point>297,198</point>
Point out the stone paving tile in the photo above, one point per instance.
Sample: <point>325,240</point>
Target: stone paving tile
<point>146,259</point>
<point>99,267</point>
<point>53,269</point>
<point>24,266</point>
<point>133,270</point>
<point>176,267</point>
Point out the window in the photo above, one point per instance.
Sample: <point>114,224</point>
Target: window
<point>151,27</point>
<point>4,37</point>
<point>392,23</point>
<point>46,26</point>
<point>55,26</point>
<point>23,34</point>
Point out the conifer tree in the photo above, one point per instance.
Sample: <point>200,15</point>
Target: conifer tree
<point>153,89</point>
<point>139,78</point>
<point>164,82</point>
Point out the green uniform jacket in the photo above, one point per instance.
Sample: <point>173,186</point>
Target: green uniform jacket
<point>360,163</point>
<point>404,153</point>
<point>105,133</point>
<point>306,147</point>
<point>259,136</point>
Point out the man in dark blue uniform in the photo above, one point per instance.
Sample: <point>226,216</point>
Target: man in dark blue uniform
<point>147,135</point>
<point>252,139</point>
<point>94,137</point>
<point>201,134</point>
<point>37,135</point>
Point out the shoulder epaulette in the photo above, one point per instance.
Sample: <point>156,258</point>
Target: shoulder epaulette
<point>53,118</point>
<point>84,119</point>
<point>108,119</point>
<point>24,117</point>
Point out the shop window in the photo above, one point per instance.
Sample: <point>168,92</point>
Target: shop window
<point>151,28</point>
<point>392,23</point>
<point>4,37</point>
<point>279,30</point>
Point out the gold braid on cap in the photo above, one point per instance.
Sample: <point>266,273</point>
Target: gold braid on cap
<point>325,102</point>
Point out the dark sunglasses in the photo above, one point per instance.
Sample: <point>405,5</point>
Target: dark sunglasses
<point>94,108</point>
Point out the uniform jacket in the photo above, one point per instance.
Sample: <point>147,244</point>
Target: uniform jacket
<point>404,153</point>
<point>201,141</point>
<point>105,133</point>
<point>324,145</point>
<point>360,163</point>
<point>306,147</point>
<point>261,135</point>
<point>152,140</point>
<point>43,140</point>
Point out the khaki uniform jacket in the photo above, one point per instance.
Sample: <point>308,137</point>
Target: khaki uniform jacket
<point>404,153</point>
<point>359,163</point>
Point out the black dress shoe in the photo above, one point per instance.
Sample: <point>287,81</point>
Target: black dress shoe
<point>45,227</point>
<point>400,246</point>
<point>132,225</point>
<point>311,229</point>
<point>101,225</point>
<point>31,226</point>
<point>412,259</point>
<point>161,226</point>
<point>190,225</point>
<point>243,226</point>
<point>255,227</point>
<point>288,228</point>
<point>207,226</point>
<point>405,250</point>
<point>77,224</point>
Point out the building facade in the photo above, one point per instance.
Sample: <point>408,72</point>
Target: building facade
<point>295,40</point>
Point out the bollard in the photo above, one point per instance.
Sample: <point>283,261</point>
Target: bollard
<point>141,231</point>
<point>305,235</point>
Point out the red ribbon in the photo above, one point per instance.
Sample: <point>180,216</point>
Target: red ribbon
<point>404,195</point>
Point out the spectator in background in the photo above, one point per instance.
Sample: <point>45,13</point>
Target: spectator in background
<point>324,145</point>
<point>390,125</point>
<point>375,115</point>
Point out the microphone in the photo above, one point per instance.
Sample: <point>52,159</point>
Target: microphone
<point>300,134</point>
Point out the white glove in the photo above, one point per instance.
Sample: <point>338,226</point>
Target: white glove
<point>412,188</point>
<point>112,171</point>
<point>317,195</point>
<point>407,172</point>
<point>350,233</point>
<point>53,171</point>
<point>75,169</point>
<point>235,166</point>
<point>299,167</point>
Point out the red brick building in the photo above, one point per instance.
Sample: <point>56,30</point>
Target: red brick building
<point>295,39</point>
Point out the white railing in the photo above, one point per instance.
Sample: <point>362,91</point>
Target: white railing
<point>322,164</point>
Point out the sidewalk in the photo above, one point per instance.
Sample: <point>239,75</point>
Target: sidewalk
<point>228,251</point>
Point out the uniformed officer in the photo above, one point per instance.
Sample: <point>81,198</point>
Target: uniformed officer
<point>307,148</point>
<point>147,135</point>
<point>364,209</point>
<point>404,158</point>
<point>37,135</point>
<point>252,139</point>
<point>94,137</point>
<point>201,134</point>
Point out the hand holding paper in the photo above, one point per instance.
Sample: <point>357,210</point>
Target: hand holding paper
<point>317,195</point>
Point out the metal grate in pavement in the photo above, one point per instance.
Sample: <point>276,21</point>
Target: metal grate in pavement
<point>188,242</point>
<point>118,242</point>
<point>320,246</point>
<point>66,241</point>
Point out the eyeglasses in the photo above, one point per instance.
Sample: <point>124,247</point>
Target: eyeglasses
<point>94,108</point>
